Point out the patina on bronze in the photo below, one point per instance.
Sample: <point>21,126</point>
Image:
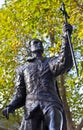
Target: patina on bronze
<point>36,88</point>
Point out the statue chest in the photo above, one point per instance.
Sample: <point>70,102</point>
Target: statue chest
<point>36,74</point>
<point>30,72</point>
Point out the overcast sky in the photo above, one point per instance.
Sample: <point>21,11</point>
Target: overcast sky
<point>1,2</point>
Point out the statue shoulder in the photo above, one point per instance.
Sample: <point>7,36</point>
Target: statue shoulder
<point>53,58</point>
<point>21,67</point>
<point>49,58</point>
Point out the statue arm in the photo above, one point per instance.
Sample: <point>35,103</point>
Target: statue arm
<point>18,99</point>
<point>63,62</point>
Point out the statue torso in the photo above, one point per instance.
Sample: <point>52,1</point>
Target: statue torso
<point>39,80</point>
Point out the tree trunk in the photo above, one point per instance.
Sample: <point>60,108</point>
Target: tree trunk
<point>70,125</point>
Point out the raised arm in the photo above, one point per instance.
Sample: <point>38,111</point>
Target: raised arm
<point>63,62</point>
<point>18,99</point>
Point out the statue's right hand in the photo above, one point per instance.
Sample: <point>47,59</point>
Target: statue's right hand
<point>6,111</point>
<point>67,27</point>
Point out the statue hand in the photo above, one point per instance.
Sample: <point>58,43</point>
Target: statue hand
<point>67,27</point>
<point>7,110</point>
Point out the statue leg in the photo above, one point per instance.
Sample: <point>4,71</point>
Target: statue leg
<point>54,119</point>
<point>36,123</point>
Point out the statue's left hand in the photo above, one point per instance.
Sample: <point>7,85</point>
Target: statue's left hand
<point>7,110</point>
<point>67,27</point>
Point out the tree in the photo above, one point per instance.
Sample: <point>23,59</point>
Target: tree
<point>23,20</point>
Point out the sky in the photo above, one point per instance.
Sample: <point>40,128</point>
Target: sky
<point>1,2</point>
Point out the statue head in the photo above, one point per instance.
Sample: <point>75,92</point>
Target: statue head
<point>36,46</point>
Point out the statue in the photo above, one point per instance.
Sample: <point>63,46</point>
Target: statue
<point>36,88</point>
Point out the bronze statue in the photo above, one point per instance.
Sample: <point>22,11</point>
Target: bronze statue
<point>36,88</point>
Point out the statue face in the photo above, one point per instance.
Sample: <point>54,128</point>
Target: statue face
<point>36,46</point>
